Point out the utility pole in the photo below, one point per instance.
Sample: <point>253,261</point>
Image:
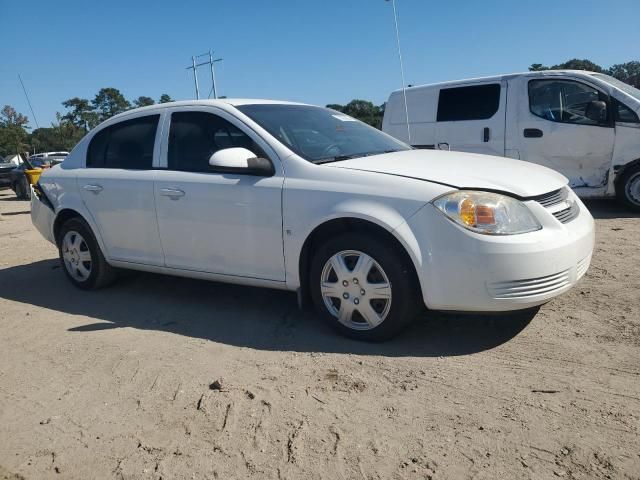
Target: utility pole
<point>194,66</point>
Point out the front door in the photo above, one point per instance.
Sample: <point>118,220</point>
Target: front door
<point>223,223</point>
<point>554,130</point>
<point>471,118</point>
<point>117,189</point>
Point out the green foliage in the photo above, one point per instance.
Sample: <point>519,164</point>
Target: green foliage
<point>143,101</point>
<point>626,72</point>
<point>82,114</point>
<point>363,110</point>
<point>109,102</point>
<point>165,98</point>
<point>13,134</point>
<point>62,135</point>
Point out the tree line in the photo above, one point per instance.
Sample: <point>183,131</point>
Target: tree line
<point>82,114</point>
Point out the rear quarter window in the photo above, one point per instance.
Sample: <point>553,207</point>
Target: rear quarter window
<point>127,145</point>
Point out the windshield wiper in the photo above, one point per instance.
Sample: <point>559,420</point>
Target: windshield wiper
<point>339,158</point>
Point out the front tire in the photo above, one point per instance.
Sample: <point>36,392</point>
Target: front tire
<point>364,287</point>
<point>628,190</point>
<point>81,257</point>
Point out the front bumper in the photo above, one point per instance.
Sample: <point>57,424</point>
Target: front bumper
<point>465,271</point>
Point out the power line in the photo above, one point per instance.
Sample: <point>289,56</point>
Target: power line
<point>28,101</point>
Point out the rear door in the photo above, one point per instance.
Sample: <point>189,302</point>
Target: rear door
<point>117,188</point>
<point>471,118</point>
<point>553,129</point>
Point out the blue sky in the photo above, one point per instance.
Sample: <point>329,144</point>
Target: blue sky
<point>323,51</point>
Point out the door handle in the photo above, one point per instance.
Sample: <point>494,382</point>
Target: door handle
<point>532,133</point>
<point>486,134</point>
<point>172,192</point>
<point>93,188</point>
<point>444,146</point>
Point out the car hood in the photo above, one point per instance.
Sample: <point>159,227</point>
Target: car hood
<point>463,170</point>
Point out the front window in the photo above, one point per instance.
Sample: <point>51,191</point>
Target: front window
<point>321,135</point>
<point>564,101</point>
<point>625,87</point>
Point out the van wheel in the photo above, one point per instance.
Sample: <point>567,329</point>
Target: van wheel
<point>363,287</point>
<point>628,189</point>
<point>81,257</point>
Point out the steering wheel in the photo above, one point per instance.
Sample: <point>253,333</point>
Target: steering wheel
<point>327,151</point>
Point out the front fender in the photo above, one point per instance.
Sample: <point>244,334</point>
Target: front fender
<point>382,215</point>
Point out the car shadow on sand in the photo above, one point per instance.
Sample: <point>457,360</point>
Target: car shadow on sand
<point>609,209</point>
<point>242,316</point>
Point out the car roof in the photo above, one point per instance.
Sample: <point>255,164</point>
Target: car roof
<point>498,78</point>
<point>221,102</point>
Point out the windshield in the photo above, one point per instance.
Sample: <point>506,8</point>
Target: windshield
<point>625,87</point>
<point>321,135</point>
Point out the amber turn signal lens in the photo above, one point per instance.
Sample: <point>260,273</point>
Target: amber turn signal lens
<point>485,215</point>
<point>468,212</point>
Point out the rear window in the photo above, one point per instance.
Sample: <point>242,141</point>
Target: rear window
<point>128,145</point>
<point>478,102</point>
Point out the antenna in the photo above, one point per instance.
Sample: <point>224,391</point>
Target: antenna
<point>194,66</point>
<point>404,88</point>
<point>28,101</point>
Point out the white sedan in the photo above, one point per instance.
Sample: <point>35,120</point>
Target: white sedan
<point>303,198</point>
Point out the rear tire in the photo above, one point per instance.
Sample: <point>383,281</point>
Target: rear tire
<point>81,257</point>
<point>364,287</point>
<point>628,189</point>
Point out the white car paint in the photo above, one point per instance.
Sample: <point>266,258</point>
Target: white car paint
<point>590,156</point>
<point>251,230</point>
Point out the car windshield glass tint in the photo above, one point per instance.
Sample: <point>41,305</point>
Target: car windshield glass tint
<point>319,134</point>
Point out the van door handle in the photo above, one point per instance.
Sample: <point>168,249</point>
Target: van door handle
<point>532,133</point>
<point>93,188</point>
<point>171,192</point>
<point>486,134</point>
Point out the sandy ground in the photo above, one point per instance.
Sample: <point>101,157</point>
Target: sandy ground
<point>116,383</point>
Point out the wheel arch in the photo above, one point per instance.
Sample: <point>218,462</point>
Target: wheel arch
<point>400,238</point>
<point>620,170</point>
<point>68,213</point>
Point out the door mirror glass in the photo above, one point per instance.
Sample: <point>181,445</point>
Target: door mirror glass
<point>240,160</point>
<point>596,110</point>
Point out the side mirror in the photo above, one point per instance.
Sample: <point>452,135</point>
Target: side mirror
<point>597,111</point>
<point>240,160</point>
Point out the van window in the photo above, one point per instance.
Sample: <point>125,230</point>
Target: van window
<point>478,102</point>
<point>563,101</point>
<point>127,144</point>
<point>625,114</point>
<point>195,136</point>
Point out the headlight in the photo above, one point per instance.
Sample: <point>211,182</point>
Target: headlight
<point>488,213</point>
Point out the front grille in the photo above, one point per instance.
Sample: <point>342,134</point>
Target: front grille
<point>567,214</point>
<point>552,198</point>
<point>559,199</point>
<point>529,287</point>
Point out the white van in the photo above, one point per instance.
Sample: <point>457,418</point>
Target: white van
<point>585,125</point>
